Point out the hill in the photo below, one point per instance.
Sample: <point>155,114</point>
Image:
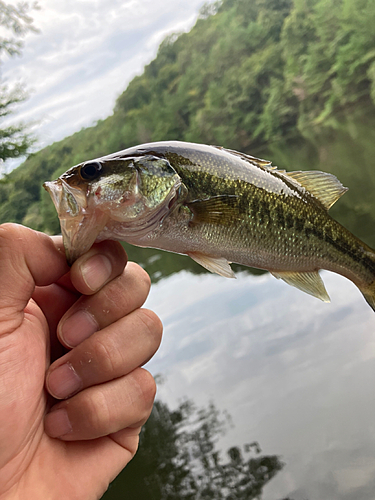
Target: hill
<point>250,72</point>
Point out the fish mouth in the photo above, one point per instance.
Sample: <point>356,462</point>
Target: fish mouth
<point>79,225</point>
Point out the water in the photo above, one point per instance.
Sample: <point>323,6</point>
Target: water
<point>294,374</point>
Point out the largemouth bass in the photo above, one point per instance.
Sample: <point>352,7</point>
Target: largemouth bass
<point>218,206</point>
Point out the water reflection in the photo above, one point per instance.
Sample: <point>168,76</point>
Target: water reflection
<point>293,372</point>
<point>178,460</point>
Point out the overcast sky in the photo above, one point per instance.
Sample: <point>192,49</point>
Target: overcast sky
<point>86,53</point>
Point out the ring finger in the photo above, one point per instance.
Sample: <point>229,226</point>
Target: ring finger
<point>106,355</point>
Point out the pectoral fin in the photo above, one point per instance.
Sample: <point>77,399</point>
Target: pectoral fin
<point>217,265</point>
<point>214,210</point>
<point>310,283</point>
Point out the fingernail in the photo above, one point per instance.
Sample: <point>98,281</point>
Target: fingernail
<point>77,328</point>
<point>63,381</point>
<point>96,271</point>
<point>57,423</point>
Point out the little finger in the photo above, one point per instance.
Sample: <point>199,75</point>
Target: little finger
<point>104,409</point>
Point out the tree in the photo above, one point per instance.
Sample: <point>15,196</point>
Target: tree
<point>16,22</point>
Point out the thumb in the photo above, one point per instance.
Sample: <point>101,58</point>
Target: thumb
<point>27,259</point>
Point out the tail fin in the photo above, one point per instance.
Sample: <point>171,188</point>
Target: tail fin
<point>369,295</point>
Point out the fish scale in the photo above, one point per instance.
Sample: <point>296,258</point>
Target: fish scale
<point>217,206</point>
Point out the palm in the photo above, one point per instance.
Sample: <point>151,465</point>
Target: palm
<point>82,463</point>
<point>25,442</point>
<point>24,401</point>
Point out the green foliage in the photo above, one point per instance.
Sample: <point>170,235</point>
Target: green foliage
<point>248,74</point>
<point>329,53</point>
<point>15,22</point>
<point>253,71</point>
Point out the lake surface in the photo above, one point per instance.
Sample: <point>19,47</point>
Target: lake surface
<point>295,375</point>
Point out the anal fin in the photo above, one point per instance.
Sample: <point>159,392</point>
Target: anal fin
<point>217,265</point>
<point>309,282</point>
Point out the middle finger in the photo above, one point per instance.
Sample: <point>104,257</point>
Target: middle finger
<point>91,313</point>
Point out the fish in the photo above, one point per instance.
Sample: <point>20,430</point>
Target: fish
<point>218,206</point>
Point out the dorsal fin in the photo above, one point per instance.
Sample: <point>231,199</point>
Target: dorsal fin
<point>251,159</point>
<point>325,187</point>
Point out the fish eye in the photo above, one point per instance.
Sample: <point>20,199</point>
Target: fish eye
<point>90,170</point>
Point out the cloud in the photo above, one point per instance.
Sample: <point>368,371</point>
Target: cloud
<point>86,54</point>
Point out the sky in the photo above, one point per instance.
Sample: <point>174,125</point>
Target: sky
<point>286,366</point>
<point>85,54</point>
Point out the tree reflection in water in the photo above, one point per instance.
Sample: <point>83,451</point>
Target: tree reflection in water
<point>178,460</point>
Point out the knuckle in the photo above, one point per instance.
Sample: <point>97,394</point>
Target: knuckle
<point>107,357</point>
<point>142,277</point>
<point>102,410</point>
<point>148,390</point>
<point>9,234</point>
<point>114,297</point>
<point>95,407</point>
<point>152,324</point>
<point>10,228</point>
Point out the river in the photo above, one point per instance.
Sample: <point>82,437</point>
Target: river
<point>294,374</point>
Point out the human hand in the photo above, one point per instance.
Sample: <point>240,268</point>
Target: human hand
<point>74,447</point>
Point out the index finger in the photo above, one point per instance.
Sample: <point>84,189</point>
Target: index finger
<point>97,267</point>
<point>27,259</point>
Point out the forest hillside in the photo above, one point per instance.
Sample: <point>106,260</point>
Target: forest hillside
<point>249,73</point>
